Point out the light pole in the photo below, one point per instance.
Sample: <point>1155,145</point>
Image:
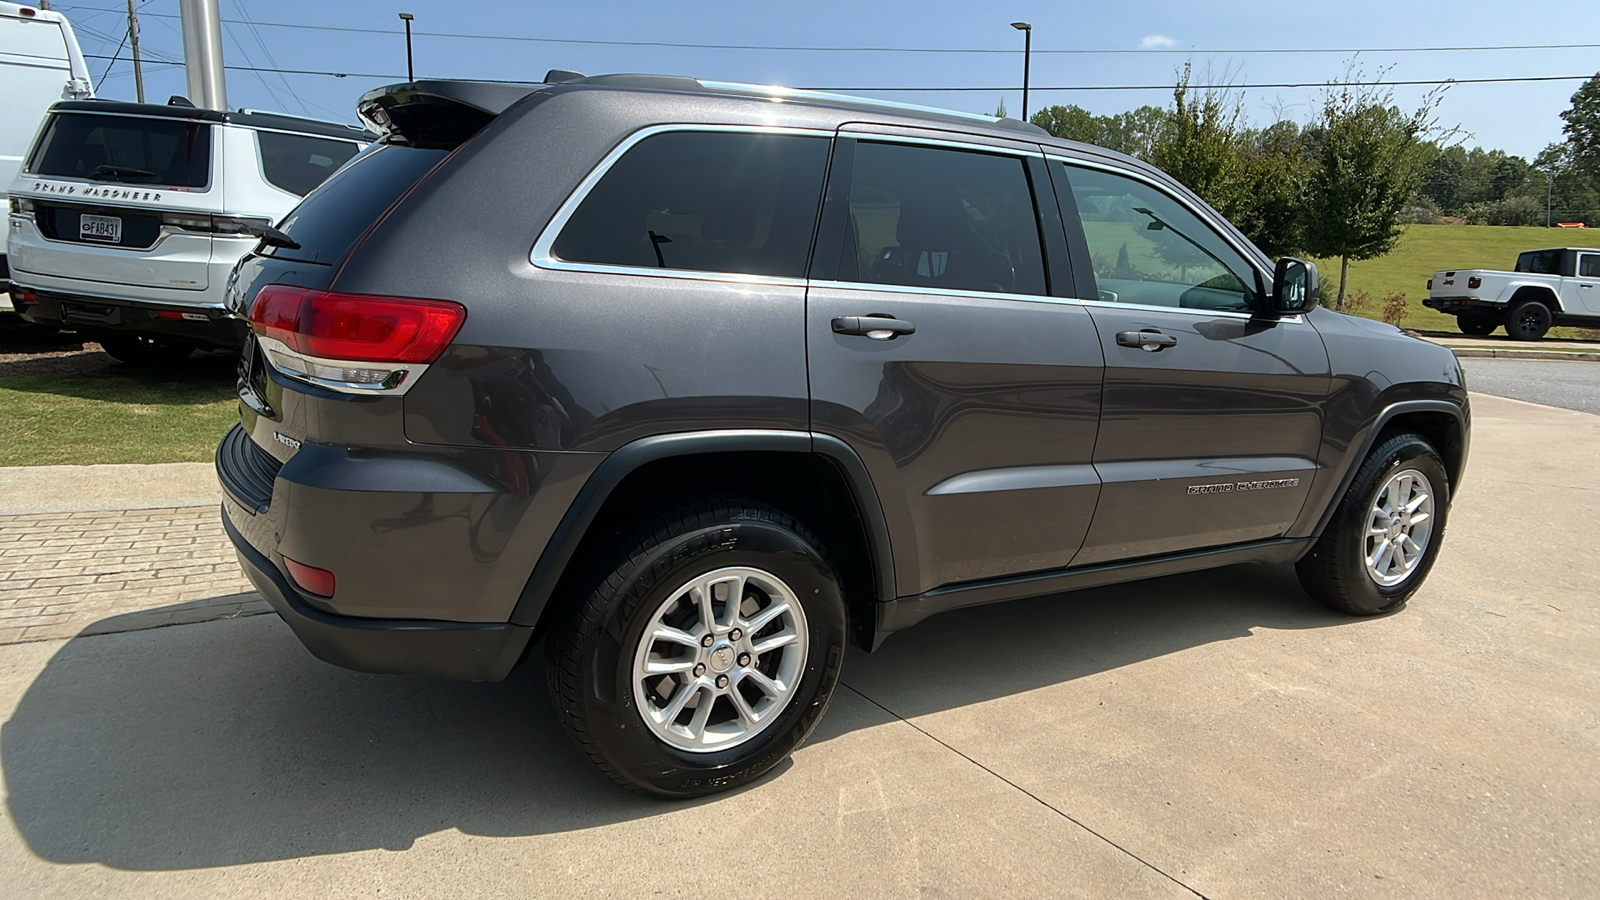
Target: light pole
<point>1027,56</point>
<point>410,75</point>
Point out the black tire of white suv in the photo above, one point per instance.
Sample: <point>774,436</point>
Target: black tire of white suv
<point>1528,320</point>
<point>1477,324</point>
<point>1386,531</point>
<point>673,690</point>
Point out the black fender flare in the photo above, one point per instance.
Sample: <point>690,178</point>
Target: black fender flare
<point>1370,437</point>
<point>563,543</point>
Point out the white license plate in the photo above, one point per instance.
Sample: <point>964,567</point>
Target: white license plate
<point>107,229</point>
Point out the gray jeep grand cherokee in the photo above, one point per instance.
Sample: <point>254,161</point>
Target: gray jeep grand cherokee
<point>700,382</point>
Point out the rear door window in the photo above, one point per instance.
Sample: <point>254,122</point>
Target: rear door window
<point>125,150</point>
<point>935,218</point>
<point>702,201</point>
<point>1589,265</point>
<point>298,163</point>
<point>1540,262</point>
<point>330,219</point>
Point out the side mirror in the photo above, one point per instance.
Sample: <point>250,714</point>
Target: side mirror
<point>1294,286</point>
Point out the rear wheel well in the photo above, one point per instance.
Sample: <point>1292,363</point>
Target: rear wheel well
<point>1442,430</point>
<point>1533,292</point>
<point>807,486</point>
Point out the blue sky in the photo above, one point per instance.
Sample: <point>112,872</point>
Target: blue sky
<point>1521,117</point>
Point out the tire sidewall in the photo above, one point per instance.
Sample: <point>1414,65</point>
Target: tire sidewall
<point>616,724</point>
<point>1514,321</point>
<point>1410,453</point>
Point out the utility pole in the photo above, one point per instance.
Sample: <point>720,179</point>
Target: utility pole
<point>133,41</point>
<point>411,75</point>
<point>1549,191</point>
<point>1027,58</point>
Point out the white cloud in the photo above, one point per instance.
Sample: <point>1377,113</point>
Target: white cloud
<point>1156,41</point>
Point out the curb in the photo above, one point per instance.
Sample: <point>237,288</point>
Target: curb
<point>1474,352</point>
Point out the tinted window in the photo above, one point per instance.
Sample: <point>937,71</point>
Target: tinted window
<point>1147,248</point>
<point>1540,262</point>
<point>705,201</point>
<point>298,163</point>
<point>1589,265</point>
<point>927,217</point>
<point>331,217</point>
<point>125,149</point>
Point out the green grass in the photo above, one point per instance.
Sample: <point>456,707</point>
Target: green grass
<point>119,416</point>
<point>1426,249</point>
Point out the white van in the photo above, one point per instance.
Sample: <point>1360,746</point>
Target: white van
<point>127,218</point>
<point>40,63</point>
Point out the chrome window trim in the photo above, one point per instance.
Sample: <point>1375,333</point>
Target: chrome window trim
<point>944,292</point>
<point>1193,311</point>
<point>941,143</point>
<point>1249,254</point>
<point>542,257</point>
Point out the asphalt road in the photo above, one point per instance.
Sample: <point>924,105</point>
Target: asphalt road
<point>1569,384</point>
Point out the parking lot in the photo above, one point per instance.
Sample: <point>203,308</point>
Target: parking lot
<point>1216,734</point>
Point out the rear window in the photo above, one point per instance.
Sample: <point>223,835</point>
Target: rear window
<point>1540,262</point>
<point>330,219</point>
<point>298,163</point>
<point>125,150</point>
<point>704,201</point>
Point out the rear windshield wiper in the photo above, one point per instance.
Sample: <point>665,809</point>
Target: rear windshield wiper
<point>121,172</point>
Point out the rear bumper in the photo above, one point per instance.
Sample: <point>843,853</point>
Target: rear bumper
<point>206,326</point>
<point>1461,304</point>
<point>462,651</point>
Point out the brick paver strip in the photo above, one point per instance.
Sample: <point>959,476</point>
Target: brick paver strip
<point>64,574</point>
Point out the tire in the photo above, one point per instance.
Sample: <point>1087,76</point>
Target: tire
<point>1477,325</point>
<point>1336,571</point>
<point>141,350</point>
<point>597,655</point>
<point>1529,320</point>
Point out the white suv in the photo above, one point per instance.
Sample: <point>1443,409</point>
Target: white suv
<point>127,218</point>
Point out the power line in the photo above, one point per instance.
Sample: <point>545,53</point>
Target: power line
<point>967,88</point>
<point>1086,51</point>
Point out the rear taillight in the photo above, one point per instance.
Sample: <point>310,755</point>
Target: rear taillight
<point>1474,282</point>
<point>241,225</point>
<point>21,206</point>
<point>1430,284</point>
<point>352,342</point>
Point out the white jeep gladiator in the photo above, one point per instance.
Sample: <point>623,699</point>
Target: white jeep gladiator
<point>1549,287</point>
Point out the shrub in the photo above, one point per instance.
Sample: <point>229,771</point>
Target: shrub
<point>1394,307</point>
<point>1356,301</point>
<point>1510,211</point>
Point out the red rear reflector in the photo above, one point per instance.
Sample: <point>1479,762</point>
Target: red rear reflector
<point>310,578</point>
<point>356,327</point>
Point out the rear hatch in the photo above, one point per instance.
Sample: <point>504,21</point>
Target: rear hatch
<point>300,381</point>
<point>123,198</point>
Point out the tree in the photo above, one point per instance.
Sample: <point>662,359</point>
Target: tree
<point>1200,145</point>
<point>1574,165</point>
<point>1369,165</point>
<point>1134,132</point>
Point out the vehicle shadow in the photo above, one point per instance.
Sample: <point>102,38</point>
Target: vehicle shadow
<point>225,743</point>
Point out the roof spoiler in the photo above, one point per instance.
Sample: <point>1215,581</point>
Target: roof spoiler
<point>437,113</point>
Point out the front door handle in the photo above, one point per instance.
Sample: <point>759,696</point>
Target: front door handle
<point>1149,340</point>
<point>878,328</point>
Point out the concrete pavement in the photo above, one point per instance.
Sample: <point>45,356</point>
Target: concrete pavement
<point>1216,734</point>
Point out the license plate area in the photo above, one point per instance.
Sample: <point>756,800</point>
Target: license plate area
<point>100,229</point>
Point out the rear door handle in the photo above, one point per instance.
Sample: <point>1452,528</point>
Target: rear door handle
<point>878,328</point>
<point>1149,340</point>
